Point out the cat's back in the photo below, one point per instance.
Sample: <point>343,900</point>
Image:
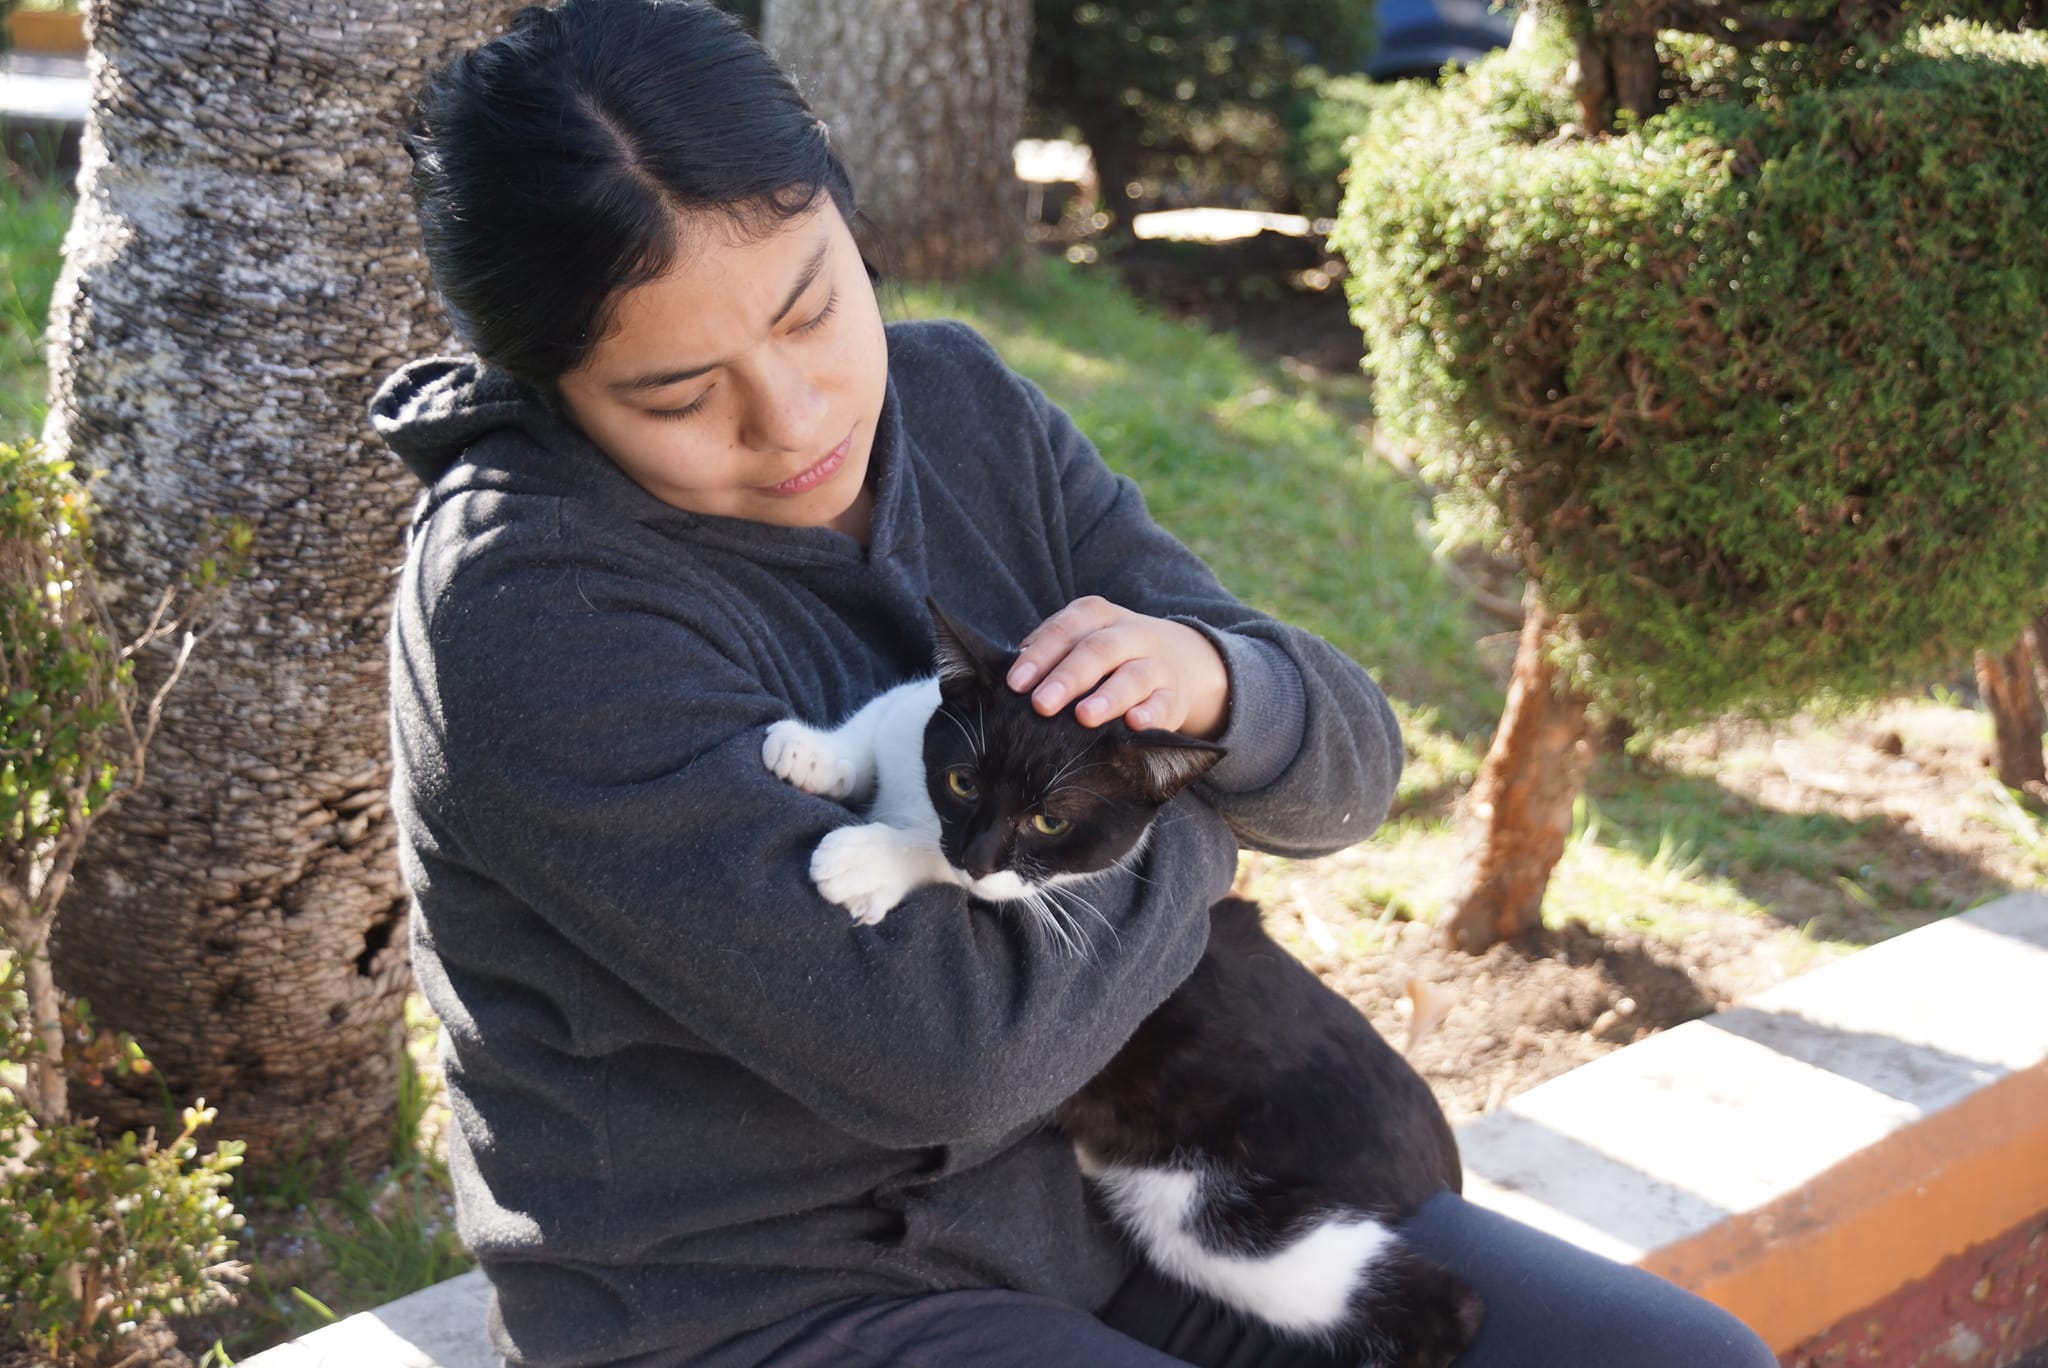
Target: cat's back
<point>1323,1088</point>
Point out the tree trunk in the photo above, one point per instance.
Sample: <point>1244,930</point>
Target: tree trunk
<point>1615,71</point>
<point>1521,807</point>
<point>242,270</point>
<point>2036,637</point>
<point>2006,682</point>
<point>924,99</point>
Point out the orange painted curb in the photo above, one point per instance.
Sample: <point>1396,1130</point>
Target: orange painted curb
<point>1882,1217</point>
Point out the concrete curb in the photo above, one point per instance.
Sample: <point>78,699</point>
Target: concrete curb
<point>1794,1159</point>
<point>1797,1157</point>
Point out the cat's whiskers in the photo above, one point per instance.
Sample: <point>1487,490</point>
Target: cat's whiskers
<point>1049,914</point>
<point>1093,910</point>
<point>1051,784</point>
<point>965,734</point>
<point>1128,861</point>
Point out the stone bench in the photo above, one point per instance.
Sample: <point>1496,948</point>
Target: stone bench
<point>1796,1159</point>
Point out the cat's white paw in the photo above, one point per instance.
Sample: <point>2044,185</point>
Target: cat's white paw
<point>807,759</point>
<point>862,868</point>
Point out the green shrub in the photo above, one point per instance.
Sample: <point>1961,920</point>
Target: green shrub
<point>98,1237</point>
<point>1758,392</point>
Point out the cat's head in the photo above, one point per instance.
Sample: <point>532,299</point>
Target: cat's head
<point>1028,802</point>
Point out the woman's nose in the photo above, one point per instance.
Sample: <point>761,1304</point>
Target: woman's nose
<point>785,409</point>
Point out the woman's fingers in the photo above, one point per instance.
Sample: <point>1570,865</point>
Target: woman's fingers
<point>1050,644</point>
<point>1119,663</point>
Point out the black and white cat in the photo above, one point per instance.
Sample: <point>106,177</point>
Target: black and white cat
<point>1255,1138</point>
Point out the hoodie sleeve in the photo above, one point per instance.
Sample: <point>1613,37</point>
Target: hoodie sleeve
<point>1315,750</point>
<point>600,757</point>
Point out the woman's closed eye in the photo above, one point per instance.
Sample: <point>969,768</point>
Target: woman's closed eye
<point>686,410</point>
<point>823,316</point>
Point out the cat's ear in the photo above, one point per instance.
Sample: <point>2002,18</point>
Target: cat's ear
<point>963,655</point>
<point>1162,763</point>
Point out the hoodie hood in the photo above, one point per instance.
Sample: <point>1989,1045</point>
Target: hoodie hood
<point>431,410</point>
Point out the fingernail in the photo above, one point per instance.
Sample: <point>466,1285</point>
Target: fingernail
<point>1051,696</point>
<point>1138,718</point>
<point>1021,675</point>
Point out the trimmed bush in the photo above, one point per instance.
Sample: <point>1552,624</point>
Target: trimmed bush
<point>1759,391</point>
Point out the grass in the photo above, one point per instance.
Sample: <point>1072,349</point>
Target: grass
<point>33,216</point>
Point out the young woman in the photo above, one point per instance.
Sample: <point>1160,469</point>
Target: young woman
<point>688,486</point>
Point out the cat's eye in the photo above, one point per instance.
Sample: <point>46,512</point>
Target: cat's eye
<point>963,787</point>
<point>1050,826</point>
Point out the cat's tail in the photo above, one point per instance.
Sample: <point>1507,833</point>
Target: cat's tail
<point>1417,1313</point>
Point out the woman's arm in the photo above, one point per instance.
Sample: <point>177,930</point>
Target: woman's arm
<point>601,761</point>
<point>1315,751</point>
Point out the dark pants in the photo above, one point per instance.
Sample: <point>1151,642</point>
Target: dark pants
<point>1548,1305</point>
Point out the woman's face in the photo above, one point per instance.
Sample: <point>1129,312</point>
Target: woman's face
<point>746,382</point>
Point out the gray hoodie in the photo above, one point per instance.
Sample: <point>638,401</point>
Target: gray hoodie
<point>691,1099</point>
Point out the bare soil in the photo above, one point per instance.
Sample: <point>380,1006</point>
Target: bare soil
<point>1919,826</point>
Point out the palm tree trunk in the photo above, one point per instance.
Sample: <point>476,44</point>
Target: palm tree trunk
<point>924,99</point>
<point>1521,807</point>
<point>241,271</point>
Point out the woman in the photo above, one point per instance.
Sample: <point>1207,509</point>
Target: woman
<point>692,488</point>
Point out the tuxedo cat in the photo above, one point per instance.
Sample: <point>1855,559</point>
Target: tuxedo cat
<point>1256,1138</point>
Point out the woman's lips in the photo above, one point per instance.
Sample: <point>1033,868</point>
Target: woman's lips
<point>816,475</point>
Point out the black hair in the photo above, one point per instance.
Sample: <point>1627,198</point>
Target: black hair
<point>552,167</point>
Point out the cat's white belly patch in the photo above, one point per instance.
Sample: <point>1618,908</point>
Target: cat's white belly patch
<point>1307,1287</point>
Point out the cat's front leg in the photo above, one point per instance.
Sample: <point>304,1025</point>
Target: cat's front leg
<point>815,761</point>
<point>868,869</point>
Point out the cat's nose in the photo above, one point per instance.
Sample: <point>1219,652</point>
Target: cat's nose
<point>983,856</point>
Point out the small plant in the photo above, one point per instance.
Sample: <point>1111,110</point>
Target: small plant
<point>100,1236</point>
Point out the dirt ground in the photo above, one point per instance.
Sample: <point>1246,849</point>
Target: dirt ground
<point>1912,816</point>
<point>1898,819</point>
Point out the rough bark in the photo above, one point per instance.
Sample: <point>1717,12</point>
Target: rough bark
<point>2037,642</point>
<point>924,99</point>
<point>1520,810</point>
<point>2005,680</point>
<point>242,269</point>
<point>1615,71</point>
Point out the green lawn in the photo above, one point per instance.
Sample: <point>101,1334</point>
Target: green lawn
<point>32,221</point>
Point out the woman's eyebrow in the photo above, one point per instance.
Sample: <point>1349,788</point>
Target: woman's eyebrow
<point>660,379</point>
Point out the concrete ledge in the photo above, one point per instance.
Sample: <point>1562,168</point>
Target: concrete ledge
<point>438,1327</point>
<point>1798,1157</point>
<point>1794,1159</point>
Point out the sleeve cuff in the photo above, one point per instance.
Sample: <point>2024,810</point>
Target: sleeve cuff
<point>1268,711</point>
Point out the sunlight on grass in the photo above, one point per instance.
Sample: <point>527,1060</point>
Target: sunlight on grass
<point>32,224</point>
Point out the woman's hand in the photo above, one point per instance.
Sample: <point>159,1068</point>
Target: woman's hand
<point>1146,670</point>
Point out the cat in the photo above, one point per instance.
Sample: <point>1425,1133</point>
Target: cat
<point>1256,1139</point>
